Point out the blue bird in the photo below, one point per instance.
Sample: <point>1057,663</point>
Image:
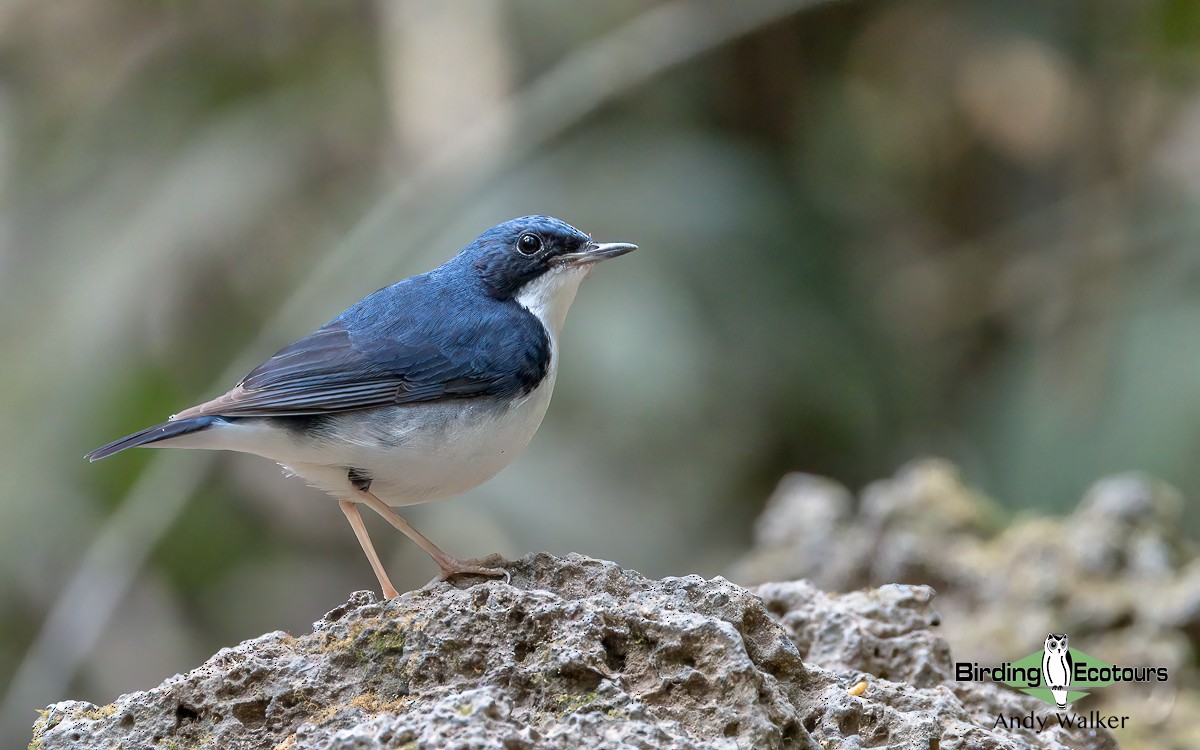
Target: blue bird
<point>420,391</point>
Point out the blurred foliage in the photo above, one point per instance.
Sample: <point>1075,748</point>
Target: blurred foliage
<point>870,231</point>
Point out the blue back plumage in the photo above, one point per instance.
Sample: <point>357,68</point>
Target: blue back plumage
<point>454,332</point>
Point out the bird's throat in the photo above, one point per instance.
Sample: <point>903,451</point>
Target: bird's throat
<point>550,295</point>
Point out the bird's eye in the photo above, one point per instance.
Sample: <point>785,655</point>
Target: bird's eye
<point>529,244</point>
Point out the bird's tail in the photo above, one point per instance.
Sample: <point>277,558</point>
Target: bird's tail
<point>163,431</point>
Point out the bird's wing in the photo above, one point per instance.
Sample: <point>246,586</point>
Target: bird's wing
<point>342,367</point>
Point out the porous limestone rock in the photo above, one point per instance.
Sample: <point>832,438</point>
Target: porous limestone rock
<point>1118,575</point>
<point>574,653</point>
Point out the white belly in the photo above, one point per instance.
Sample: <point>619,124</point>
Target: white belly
<point>413,453</point>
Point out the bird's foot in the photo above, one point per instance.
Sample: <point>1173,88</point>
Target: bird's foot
<point>452,566</point>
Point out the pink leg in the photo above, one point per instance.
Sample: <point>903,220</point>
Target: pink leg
<point>350,508</point>
<point>449,564</point>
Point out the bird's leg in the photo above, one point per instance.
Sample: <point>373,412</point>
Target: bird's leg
<point>350,508</point>
<point>449,564</point>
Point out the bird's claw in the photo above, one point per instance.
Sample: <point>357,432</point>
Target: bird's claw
<point>455,567</point>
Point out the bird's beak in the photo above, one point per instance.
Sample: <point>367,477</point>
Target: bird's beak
<point>595,252</point>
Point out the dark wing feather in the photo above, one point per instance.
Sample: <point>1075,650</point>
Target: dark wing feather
<point>359,361</point>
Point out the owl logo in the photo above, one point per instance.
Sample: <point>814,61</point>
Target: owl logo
<point>1056,667</point>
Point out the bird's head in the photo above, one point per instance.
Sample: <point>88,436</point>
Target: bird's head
<point>537,261</point>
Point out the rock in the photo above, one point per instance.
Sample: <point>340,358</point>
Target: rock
<point>1118,575</point>
<point>576,653</point>
<point>903,530</point>
<point>884,632</point>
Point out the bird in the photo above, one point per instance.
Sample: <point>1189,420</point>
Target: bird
<point>420,391</point>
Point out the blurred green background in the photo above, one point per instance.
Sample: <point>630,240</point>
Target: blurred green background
<point>870,231</point>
